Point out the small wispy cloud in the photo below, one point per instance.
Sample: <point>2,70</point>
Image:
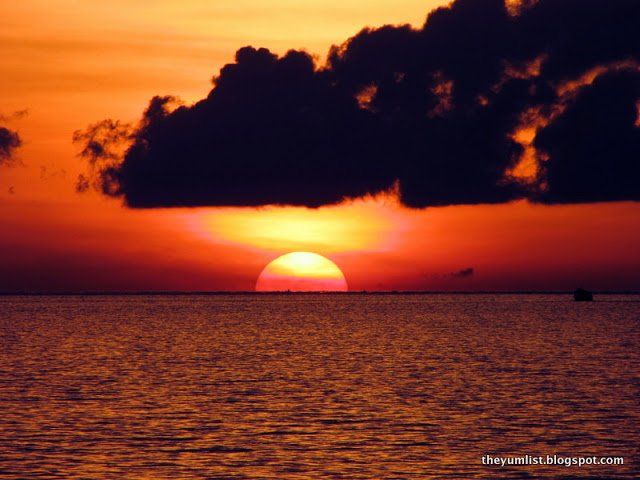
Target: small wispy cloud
<point>464,273</point>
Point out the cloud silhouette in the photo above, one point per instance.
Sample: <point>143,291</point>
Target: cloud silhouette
<point>9,141</point>
<point>486,103</point>
<point>464,273</point>
<point>593,147</point>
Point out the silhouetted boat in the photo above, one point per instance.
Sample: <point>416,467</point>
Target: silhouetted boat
<point>581,295</point>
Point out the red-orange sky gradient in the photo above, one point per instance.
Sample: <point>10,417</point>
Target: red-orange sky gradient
<point>70,64</point>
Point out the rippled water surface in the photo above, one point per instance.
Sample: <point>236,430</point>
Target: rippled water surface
<point>316,386</point>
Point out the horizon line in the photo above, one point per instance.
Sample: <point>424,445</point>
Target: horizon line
<point>285,292</point>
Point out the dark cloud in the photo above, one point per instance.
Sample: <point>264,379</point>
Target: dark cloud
<point>485,103</point>
<point>83,183</point>
<point>103,145</point>
<point>593,147</point>
<point>17,115</point>
<point>9,141</point>
<point>464,273</point>
<point>273,130</point>
<point>50,171</point>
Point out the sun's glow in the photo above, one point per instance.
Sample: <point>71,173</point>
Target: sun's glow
<point>301,272</point>
<point>373,224</point>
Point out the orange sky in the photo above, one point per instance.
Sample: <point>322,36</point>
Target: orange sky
<point>72,63</point>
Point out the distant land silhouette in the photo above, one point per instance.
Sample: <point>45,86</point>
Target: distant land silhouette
<point>359,292</point>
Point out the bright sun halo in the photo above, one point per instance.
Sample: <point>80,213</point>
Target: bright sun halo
<point>301,272</point>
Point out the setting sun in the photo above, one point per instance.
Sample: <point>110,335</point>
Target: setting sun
<point>301,272</point>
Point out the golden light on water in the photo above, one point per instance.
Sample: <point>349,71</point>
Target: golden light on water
<point>301,272</point>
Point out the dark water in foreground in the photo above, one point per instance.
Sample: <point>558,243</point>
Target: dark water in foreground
<point>316,386</point>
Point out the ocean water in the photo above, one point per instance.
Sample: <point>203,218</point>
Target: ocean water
<point>316,386</point>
